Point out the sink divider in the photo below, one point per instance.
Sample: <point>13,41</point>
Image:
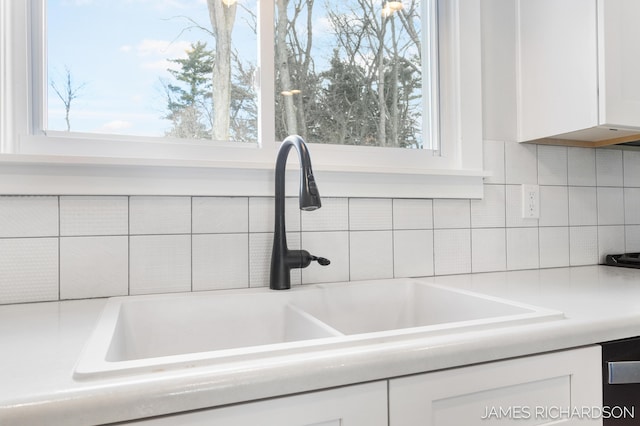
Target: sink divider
<point>322,326</point>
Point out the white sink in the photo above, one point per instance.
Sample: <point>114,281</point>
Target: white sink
<point>157,327</point>
<point>386,306</point>
<point>159,332</point>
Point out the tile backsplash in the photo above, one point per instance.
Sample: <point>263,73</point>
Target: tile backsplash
<point>74,247</point>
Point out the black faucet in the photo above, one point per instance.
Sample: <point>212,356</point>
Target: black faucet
<point>283,259</point>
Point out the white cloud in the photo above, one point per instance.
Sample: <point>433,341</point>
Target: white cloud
<point>161,4</point>
<point>76,2</point>
<point>322,27</point>
<point>155,54</point>
<point>162,48</point>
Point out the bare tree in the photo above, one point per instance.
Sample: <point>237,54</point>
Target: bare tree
<point>222,15</point>
<point>282,65</point>
<point>67,93</point>
<point>381,41</point>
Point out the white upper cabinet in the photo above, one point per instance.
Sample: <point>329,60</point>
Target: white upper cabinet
<point>562,71</point>
<point>619,53</point>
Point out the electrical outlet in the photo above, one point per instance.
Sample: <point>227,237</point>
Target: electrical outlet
<point>530,201</point>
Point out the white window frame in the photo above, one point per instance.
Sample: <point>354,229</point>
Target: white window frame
<point>60,163</point>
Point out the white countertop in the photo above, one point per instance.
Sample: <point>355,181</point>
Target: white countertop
<point>42,342</point>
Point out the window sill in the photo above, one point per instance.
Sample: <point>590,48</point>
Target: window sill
<point>67,175</point>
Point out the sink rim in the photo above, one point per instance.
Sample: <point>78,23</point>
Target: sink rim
<point>92,363</point>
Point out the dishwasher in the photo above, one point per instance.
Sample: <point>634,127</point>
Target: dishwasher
<point>621,382</point>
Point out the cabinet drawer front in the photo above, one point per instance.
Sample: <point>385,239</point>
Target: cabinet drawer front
<point>559,388</point>
<point>358,405</point>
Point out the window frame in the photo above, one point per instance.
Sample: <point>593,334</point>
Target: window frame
<point>31,163</point>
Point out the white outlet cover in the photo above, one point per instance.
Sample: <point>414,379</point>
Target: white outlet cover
<point>530,201</point>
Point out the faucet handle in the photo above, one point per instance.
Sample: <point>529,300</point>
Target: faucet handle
<point>302,259</point>
<point>321,260</point>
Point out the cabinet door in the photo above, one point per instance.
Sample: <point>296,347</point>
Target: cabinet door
<point>358,405</point>
<point>619,56</point>
<point>557,66</point>
<point>539,68</point>
<point>531,390</point>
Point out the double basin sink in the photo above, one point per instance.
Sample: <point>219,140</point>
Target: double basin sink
<point>145,334</point>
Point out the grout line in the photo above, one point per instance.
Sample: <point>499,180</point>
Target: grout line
<point>393,243</point>
<point>129,245</point>
<point>248,269</point>
<point>59,252</point>
<point>191,240</point>
<point>349,237</point>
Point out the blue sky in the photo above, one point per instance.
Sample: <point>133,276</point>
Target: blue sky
<point>118,51</point>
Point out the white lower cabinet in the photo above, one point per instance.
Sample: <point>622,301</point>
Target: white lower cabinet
<point>358,405</point>
<point>561,388</point>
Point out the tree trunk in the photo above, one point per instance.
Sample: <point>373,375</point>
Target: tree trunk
<point>282,65</point>
<point>394,113</point>
<point>222,18</point>
<point>382,105</point>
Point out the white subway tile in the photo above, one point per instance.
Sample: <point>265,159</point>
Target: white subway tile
<point>94,215</point>
<point>631,161</point>
<point>371,254</point>
<point>609,167</point>
<point>412,214</point>
<point>448,214</point>
<point>610,241</point>
<point>493,161</point>
<point>583,245</point>
<point>632,206</point>
<point>452,251</point>
<point>28,270</point>
<point>521,163</point>
<point>94,267</point>
<point>330,245</point>
<point>632,238</point>
<point>220,261</point>
<point>554,247</point>
<point>522,248</point>
<point>513,200</point>
<point>490,211</point>
<point>582,166</point>
<point>219,215</point>
<point>28,216</point>
<point>554,206</point>
<point>583,206</point>
<point>260,247</point>
<point>332,216</point>
<point>160,264</point>
<point>159,215</point>
<point>552,165</point>
<point>262,214</point>
<point>488,250</point>
<point>370,214</point>
<point>610,206</point>
<point>412,253</point>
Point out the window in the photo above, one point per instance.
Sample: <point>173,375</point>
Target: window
<point>144,81</point>
<point>351,72</point>
<point>146,68</point>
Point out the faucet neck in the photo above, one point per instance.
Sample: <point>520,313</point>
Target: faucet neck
<point>309,197</point>
<point>283,259</point>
